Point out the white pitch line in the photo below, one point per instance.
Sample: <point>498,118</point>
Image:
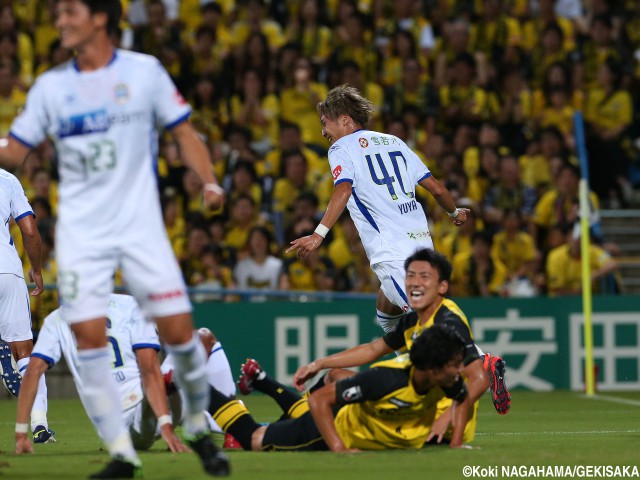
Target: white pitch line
<point>607,398</point>
<point>584,432</point>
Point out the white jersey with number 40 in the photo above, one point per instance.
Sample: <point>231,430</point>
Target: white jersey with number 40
<point>103,123</point>
<point>127,332</point>
<point>383,172</point>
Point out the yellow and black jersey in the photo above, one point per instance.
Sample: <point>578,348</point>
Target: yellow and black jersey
<point>448,313</point>
<point>381,408</point>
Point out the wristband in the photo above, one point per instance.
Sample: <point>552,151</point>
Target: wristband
<point>164,420</point>
<point>321,230</point>
<point>214,187</point>
<point>22,427</point>
<point>454,214</point>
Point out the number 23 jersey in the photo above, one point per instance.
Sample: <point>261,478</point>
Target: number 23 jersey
<point>104,126</point>
<point>383,173</point>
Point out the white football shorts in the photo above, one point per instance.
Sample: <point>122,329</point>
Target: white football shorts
<point>150,270</point>
<point>391,275</point>
<point>15,309</point>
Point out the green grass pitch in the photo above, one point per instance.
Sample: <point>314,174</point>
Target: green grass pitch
<point>558,428</point>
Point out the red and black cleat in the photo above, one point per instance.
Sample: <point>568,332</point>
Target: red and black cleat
<point>497,368</point>
<point>249,371</point>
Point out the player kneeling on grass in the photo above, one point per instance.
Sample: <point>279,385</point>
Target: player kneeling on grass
<point>427,283</point>
<point>390,406</point>
<point>136,370</point>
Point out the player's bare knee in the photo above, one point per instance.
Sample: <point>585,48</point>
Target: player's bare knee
<point>336,374</point>
<point>207,338</point>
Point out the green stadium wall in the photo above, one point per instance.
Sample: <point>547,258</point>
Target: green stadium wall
<point>540,338</point>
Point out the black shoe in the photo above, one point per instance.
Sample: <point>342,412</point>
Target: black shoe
<point>119,468</point>
<point>214,461</point>
<point>43,435</point>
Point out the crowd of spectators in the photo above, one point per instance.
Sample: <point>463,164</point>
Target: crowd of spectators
<point>484,91</point>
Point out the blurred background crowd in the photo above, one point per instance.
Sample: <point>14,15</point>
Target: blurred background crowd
<point>484,92</point>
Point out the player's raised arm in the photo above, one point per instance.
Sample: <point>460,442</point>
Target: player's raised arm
<point>12,152</point>
<point>337,203</point>
<point>445,200</point>
<point>36,368</point>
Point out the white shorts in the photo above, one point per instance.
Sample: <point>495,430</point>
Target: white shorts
<point>391,276</point>
<point>149,268</point>
<point>15,309</point>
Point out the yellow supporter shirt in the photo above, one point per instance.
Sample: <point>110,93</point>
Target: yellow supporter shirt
<point>535,171</point>
<point>549,212</point>
<point>9,108</point>
<point>608,112</point>
<point>300,108</point>
<point>271,109</point>
<point>513,252</point>
<point>464,280</point>
<point>561,118</point>
<point>565,271</point>
<point>455,243</point>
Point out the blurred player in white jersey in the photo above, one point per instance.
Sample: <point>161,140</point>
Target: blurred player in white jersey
<point>102,110</point>
<point>134,346</point>
<point>375,176</point>
<point>15,312</point>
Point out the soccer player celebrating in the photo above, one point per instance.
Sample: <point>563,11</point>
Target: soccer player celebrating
<point>375,176</point>
<point>101,110</point>
<point>391,405</point>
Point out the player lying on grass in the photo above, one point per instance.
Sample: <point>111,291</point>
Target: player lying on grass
<point>391,405</point>
<point>135,368</point>
<point>427,281</point>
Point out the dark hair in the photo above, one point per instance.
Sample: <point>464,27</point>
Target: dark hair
<point>435,347</point>
<point>113,9</point>
<point>435,259</point>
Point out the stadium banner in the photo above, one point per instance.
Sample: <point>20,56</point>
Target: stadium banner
<point>540,338</point>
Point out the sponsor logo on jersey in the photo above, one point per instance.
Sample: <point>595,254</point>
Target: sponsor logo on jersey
<point>399,403</point>
<point>84,123</point>
<point>121,93</point>
<point>170,295</point>
<point>337,171</point>
<point>179,98</point>
<point>352,393</point>
<point>363,142</point>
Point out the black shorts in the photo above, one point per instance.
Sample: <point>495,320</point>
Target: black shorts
<point>300,434</point>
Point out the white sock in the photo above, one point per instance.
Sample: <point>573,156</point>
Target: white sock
<point>191,376</point>
<point>219,373</point>
<point>386,321</point>
<point>101,400</point>
<point>39,410</point>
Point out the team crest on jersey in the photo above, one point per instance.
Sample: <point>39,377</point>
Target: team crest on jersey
<point>352,393</point>
<point>363,142</point>
<point>121,92</point>
<point>337,171</point>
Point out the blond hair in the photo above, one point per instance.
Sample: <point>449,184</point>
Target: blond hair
<point>346,100</point>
